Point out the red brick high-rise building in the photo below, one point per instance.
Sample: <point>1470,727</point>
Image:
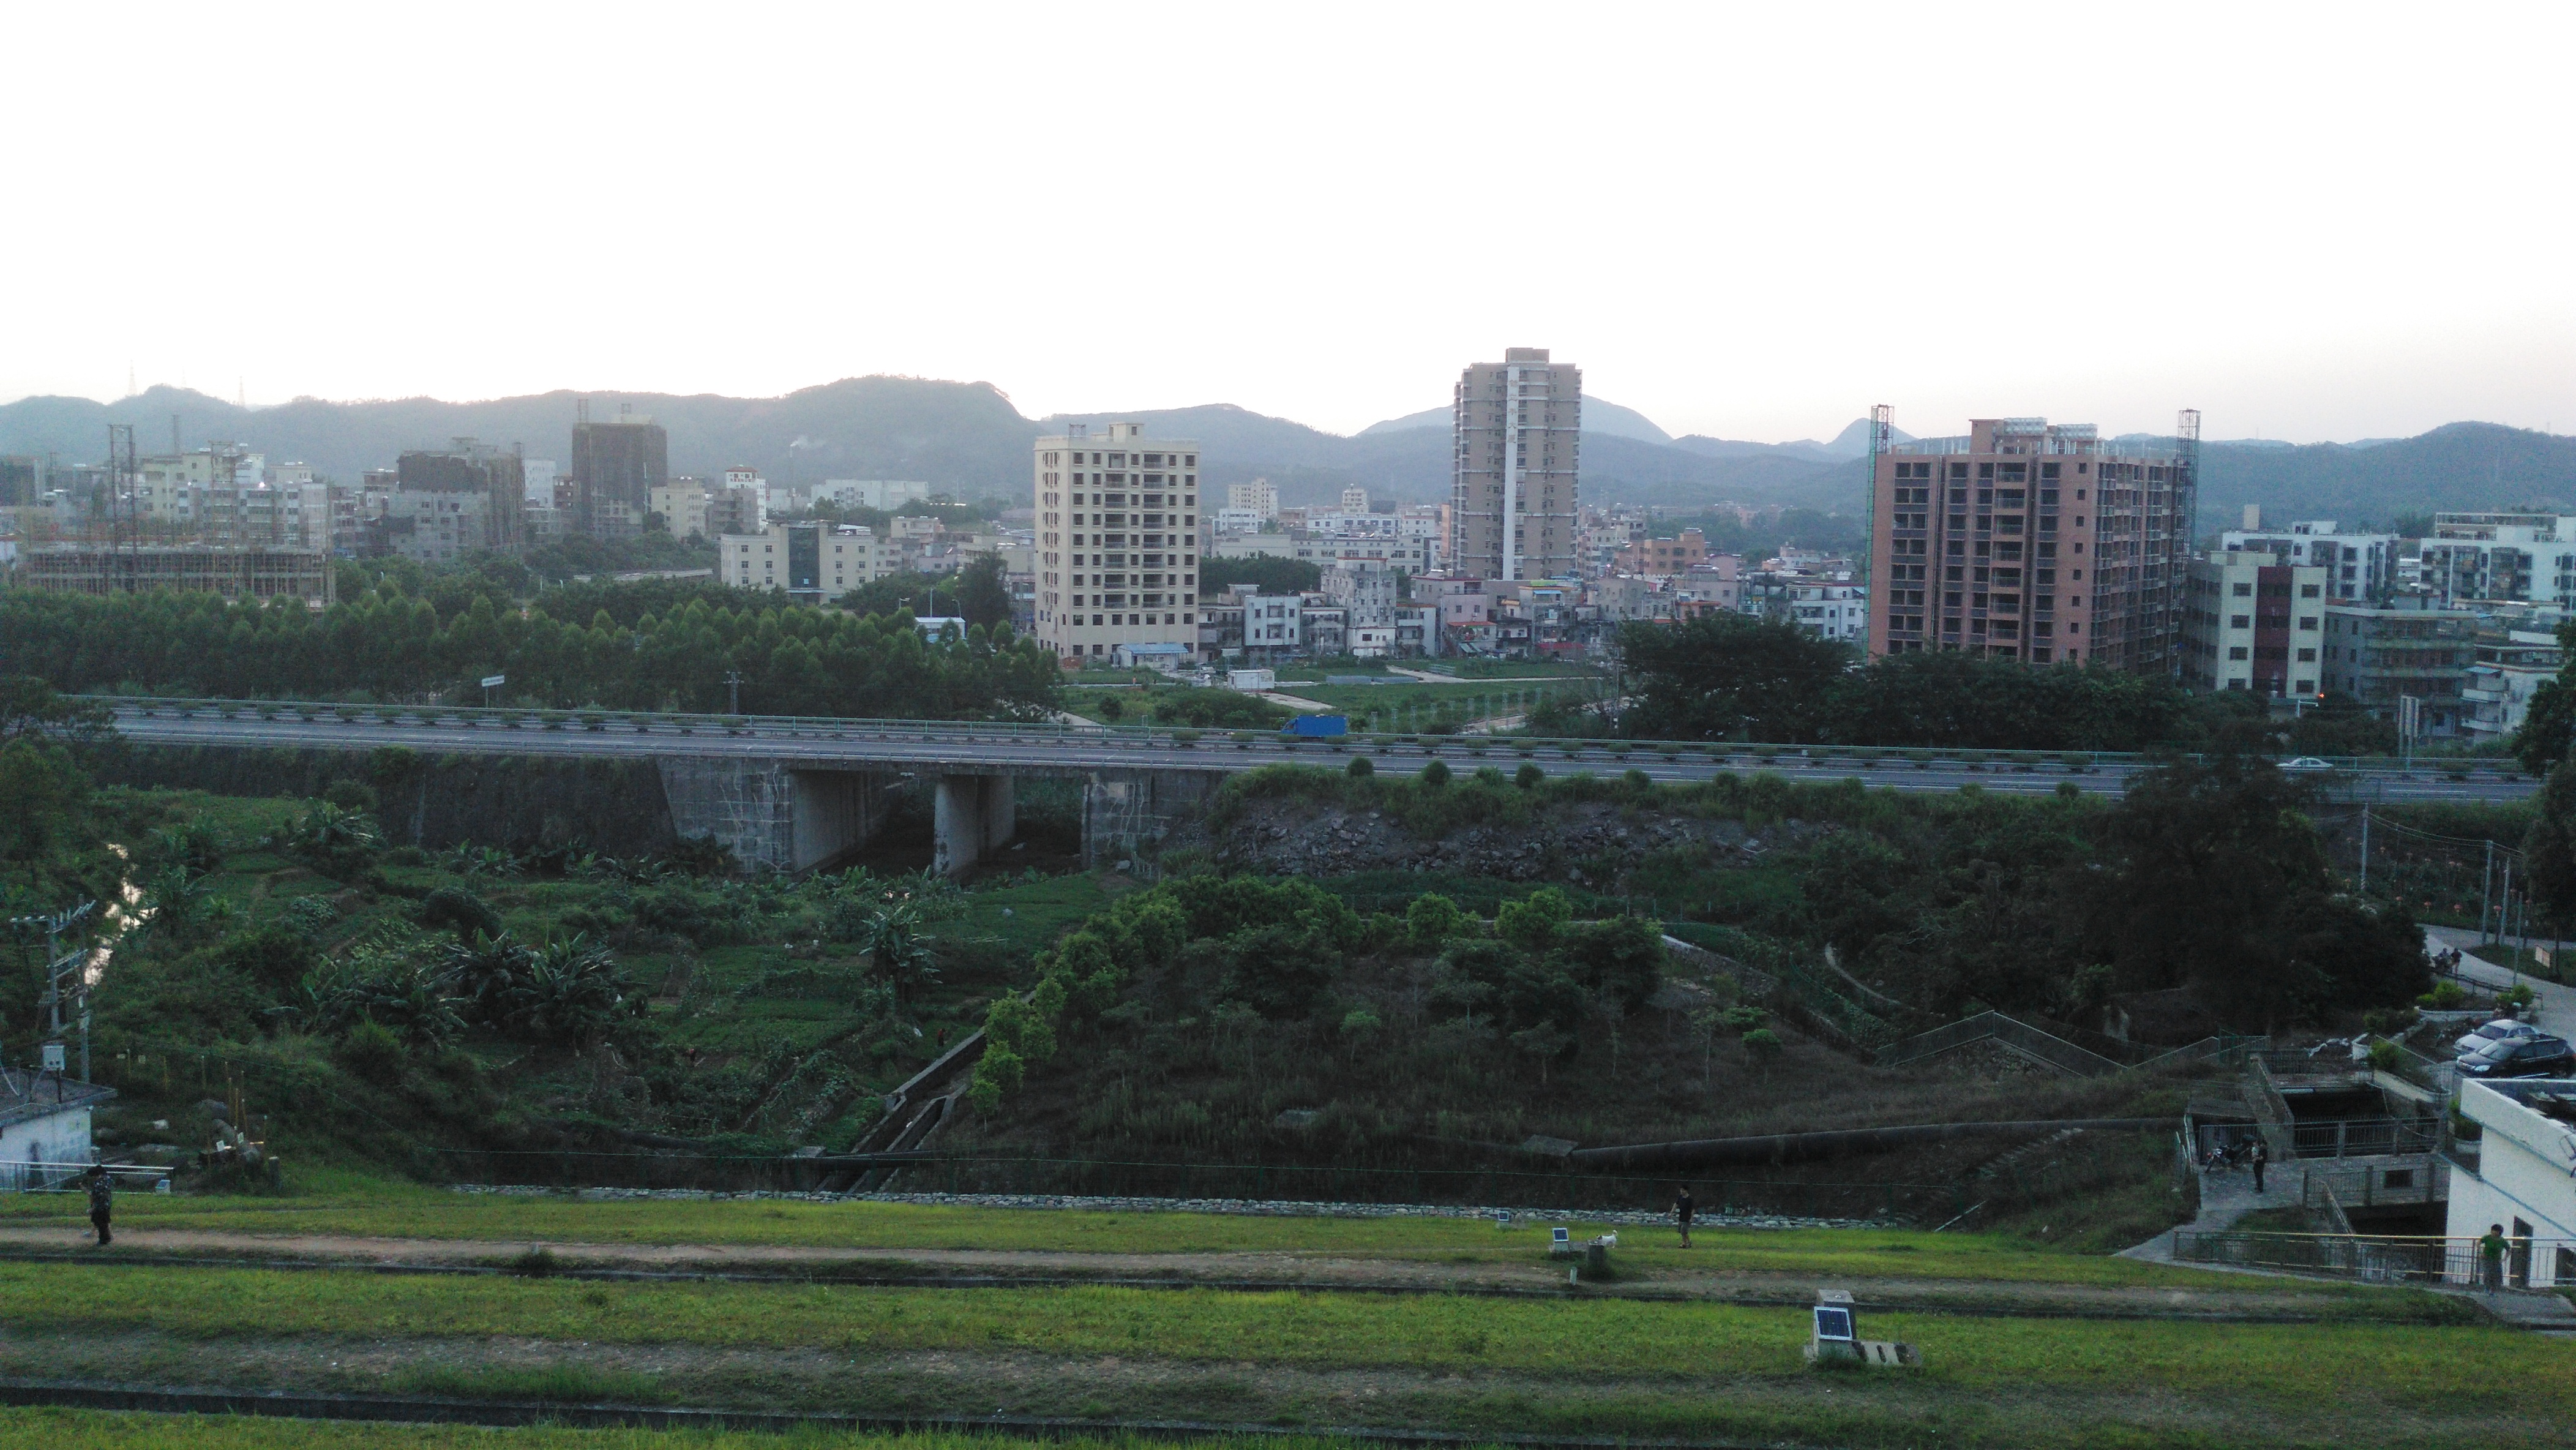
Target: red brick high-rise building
<point>2030,541</point>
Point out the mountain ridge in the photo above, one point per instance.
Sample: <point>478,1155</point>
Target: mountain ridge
<point>969,438</point>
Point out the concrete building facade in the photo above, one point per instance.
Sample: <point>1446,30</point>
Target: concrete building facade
<point>2524,1180</point>
<point>1117,541</point>
<point>2034,541</point>
<point>2504,556</point>
<point>2357,565</point>
<point>815,563</point>
<point>1517,429</point>
<point>2380,655</point>
<point>2250,624</point>
<point>456,501</point>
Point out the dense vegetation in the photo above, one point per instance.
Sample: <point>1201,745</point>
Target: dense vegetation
<point>1734,677</point>
<point>2207,876</point>
<point>571,648</point>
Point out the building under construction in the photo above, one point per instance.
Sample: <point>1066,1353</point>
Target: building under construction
<point>233,573</point>
<point>615,468</point>
<point>447,503</point>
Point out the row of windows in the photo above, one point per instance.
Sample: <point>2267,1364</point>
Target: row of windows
<point>1118,459</point>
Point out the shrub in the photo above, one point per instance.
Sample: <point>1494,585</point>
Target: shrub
<point>1638,780</point>
<point>351,795</point>
<point>276,957</point>
<point>370,1051</point>
<point>1762,1044</point>
<point>1436,773</point>
<point>1360,768</point>
<point>1533,923</point>
<point>1529,777</point>
<point>456,908</point>
<point>1431,919</point>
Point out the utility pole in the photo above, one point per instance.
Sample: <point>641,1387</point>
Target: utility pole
<point>733,682</point>
<point>2365,850</point>
<point>2486,891</point>
<point>60,964</point>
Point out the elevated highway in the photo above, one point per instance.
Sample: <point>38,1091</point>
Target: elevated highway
<point>792,791</point>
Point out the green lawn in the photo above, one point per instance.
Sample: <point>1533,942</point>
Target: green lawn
<point>97,1430</point>
<point>339,1203</point>
<point>2280,1365</point>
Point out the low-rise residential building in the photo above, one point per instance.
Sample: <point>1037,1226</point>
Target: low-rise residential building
<point>449,502</point>
<point>2524,1179</point>
<point>2508,664</point>
<point>1365,592</point>
<point>2519,556</point>
<point>2357,565</point>
<point>682,504</point>
<point>2380,654</point>
<point>813,562</point>
<point>2251,624</point>
<point>1274,625</point>
<point>885,494</point>
<point>1663,556</point>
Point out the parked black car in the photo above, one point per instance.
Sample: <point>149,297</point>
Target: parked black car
<point>2540,1056</point>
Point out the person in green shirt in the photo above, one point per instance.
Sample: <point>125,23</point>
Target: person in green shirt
<point>2491,1257</point>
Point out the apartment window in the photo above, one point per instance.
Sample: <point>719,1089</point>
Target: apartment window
<point>2240,621</point>
<point>2243,591</point>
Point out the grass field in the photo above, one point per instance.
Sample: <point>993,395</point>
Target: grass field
<point>343,1204</point>
<point>95,1430</point>
<point>2507,1370</point>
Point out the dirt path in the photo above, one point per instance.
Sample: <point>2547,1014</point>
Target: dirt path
<point>1319,1270</point>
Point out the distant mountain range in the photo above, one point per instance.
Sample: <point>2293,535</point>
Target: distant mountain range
<point>968,438</point>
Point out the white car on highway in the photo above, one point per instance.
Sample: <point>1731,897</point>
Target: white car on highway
<point>2306,762</point>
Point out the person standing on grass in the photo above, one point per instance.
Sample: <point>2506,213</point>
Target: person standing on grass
<point>1683,1208</point>
<point>2491,1257</point>
<point>102,1199</point>
<point>2258,1157</point>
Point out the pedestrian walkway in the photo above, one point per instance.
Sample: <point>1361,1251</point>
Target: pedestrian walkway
<point>2226,1195</point>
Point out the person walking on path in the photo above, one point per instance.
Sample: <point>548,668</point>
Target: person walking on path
<point>102,1199</point>
<point>1683,1208</point>
<point>2257,1158</point>
<point>2491,1257</point>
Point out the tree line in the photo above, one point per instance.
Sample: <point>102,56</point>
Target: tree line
<point>1735,677</point>
<point>385,645</point>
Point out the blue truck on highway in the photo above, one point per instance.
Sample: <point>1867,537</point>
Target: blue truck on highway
<point>1318,727</point>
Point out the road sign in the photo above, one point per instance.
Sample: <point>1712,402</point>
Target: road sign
<point>494,682</point>
<point>53,1057</point>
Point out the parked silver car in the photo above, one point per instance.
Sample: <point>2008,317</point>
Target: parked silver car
<point>2503,1029</point>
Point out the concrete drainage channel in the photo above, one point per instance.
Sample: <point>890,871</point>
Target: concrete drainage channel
<point>506,1414</point>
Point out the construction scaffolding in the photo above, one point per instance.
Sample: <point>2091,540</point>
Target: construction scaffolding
<point>121,568</point>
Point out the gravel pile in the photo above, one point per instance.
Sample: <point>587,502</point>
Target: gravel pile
<point>1266,1208</point>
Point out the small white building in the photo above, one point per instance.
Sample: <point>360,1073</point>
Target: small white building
<point>1252,680</point>
<point>2525,1178</point>
<point>45,1128</point>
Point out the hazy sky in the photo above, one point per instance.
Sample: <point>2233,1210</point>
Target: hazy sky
<point>1754,221</point>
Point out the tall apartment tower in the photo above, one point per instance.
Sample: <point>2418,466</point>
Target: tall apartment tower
<point>2030,541</point>
<point>1518,428</point>
<point>615,468</point>
<point>1118,543</point>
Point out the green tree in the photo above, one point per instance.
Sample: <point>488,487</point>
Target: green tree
<point>2550,725</point>
<point>2549,847</point>
<point>41,791</point>
<point>1728,676</point>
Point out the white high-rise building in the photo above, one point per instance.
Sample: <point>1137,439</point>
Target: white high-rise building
<point>1117,541</point>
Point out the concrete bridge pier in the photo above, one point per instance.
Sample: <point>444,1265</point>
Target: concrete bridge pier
<point>971,816</point>
<point>772,814</point>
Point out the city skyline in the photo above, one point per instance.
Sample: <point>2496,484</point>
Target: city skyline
<point>2285,201</point>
